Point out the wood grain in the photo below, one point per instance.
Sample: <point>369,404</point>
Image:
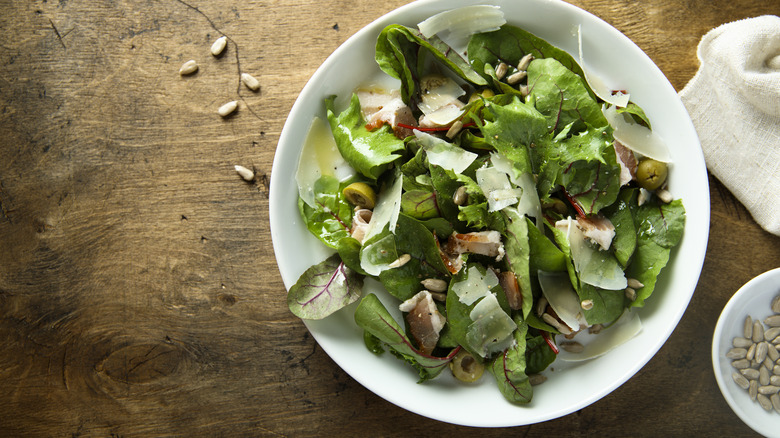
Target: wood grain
<point>139,294</point>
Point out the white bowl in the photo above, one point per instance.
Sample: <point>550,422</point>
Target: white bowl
<point>570,387</point>
<point>754,299</point>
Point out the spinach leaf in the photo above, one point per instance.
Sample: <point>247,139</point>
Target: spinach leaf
<point>400,53</point>
<point>518,252</point>
<point>562,96</point>
<point>593,184</point>
<point>323,289</point>
<point>659,229</point>
<point>509,44</point>
<point>608,305</point>
<point>511,128</point>
<point>368,152</point>
<point>538,355</point>
<point>419,204</point>
<point>372,316</point>
<point>624,242</point>
<point>544,255</point>
<point>509,368</point>
<point>331,217</point>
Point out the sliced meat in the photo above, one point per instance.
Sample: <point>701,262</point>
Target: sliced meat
<point>514,296</point>
<point>379,108</point>
<point>599,229</point>
<point>425,321</point>
<point>627,161</point>
<point>487,243</point>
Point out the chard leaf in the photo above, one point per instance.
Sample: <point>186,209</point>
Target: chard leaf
<point>331,217</point>
<point>624,242</point>
<point>509,44</point>
<point>511,128</point>
<point>419,204</point>
<point>413,238</point>
<point>544,255</point>
<point>323,289</point>
<point>400,53</point>
<point>659,229</point>
<point>509,368</point>
<point>368,152</point>
<point>593,184</point>
<point>562,96</point>
<point>372,316</point>
<point>538,354</point>
<point>607,307</point>
<point>349,251</point>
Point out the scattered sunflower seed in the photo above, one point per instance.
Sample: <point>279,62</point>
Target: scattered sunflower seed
<point>741,364</point>
<point>768,389</point>
<point>250,81</point>
<point>758,331</point>
<point>541,306</point>
<point>438,296</point>
<point>524,62</point>
<point>219,45</point>
<point>740,380</point>
<point>228,108</point>
<point>631,294</point>
<point>188,68</point>
<point>516,77</point>
<point>460,196</point>
<point>736,353</point>
<point>633,283</point>
<point>763,400</point>
<point>562,328</point>
<point>763,376</point>
<point>748,327</point>
<point>501,70</point>
<point>773,321</point>
<point>664,195</point>
<point>245,173</point>
<point>537,379</point>
<point>741,342</point>
<point>595,329</point>
<point>761,353</point>
<point>586,304</point>
<point>454,129</point>
<point>400,261</point>
<point>572,346</point>
<point>750,373</point>
<point>753,389</point>
<point>751,352</point>
<point>771,333</point>
<point>434,284</point>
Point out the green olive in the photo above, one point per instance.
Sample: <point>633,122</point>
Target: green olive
<point>360,194</point>
<point>465,368</point>
<point>651,174</point>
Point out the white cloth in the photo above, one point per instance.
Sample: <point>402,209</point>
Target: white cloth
<point>734,102</point>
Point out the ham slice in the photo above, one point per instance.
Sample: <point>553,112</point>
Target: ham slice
<point>425,321</point>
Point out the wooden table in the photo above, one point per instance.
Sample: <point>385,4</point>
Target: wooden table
<point>139,294</point>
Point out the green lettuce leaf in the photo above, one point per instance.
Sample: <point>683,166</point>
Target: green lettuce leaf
<point>331,218</point>
<point>369,152</point>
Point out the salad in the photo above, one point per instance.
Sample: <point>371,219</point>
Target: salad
<point>516,207</point>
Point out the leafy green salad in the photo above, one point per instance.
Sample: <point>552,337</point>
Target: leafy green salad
<point>493,195</point>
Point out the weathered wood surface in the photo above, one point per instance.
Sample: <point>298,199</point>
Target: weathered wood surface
<point>139,293</point>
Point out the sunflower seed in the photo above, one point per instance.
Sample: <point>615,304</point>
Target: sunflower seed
<point>537,379</point>
<point>763,376</point>
<point>400,261</point>
<point>523,90</point>
<point>776,340</point>
<point>562,328</point>
<point>768,363</point>
<point>741,364</point>
<point>541,306</point>
<point>460,196</point>
<point>741,342</point>
<point>245,173</point>
<point>664,195</point>
<point>219,45</point>
<point>588,304</point>
<point>761,353</point>
<point>524,62</point>
<point>750,373</point>
<point>775,399</point>
<point>772,353</point>
<point>774,380</point>
<point>188,67</point>
<point>736,353</point>
<point>764,402</point>
<point>643,197</point>
<point>226,109</point>
<point>758,331</point>
<point>501,69</point>
<point>751,352</point>
<point>773,321</point>
<point>771,333</point>
<point>776,304</point>
<point>768,389</point>
<point>572,347</point>
<point>595,329</point>
<point>454,129</point>
<point>516,77</point>
<point>434,284</point>
<point>743,382</point>
<point>748,327</point>
<point>776,370</point>
<point>753,389</point>
<point>633,283</point>
<point>250,81</point>
<point>631,294</point>
<point>438,296</point>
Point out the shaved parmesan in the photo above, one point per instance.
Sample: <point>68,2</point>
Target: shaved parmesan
<point>559,292</point>
<point>444,154</point>
<point>529,203</point>
<point>492,328</point>
<point>497,189</point>
<point>387,209</point>
<point>464,21</point>
<point>319,157</point>
<point>444,93</point>
<point>598,86</point>
<point>594,266</point>
<point>636,137</point>
<point>624,329</point>
<point>475,286</point>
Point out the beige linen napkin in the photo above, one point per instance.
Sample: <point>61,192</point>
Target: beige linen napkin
<point>734,102</point>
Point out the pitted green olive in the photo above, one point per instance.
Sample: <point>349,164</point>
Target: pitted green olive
<point>360,194</point>
<point>465,368</point>
<point>651,174</point>
<point>487,93</point>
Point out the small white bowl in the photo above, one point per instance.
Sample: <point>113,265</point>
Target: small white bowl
<point>571,386</point>
<point>754,299</point>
